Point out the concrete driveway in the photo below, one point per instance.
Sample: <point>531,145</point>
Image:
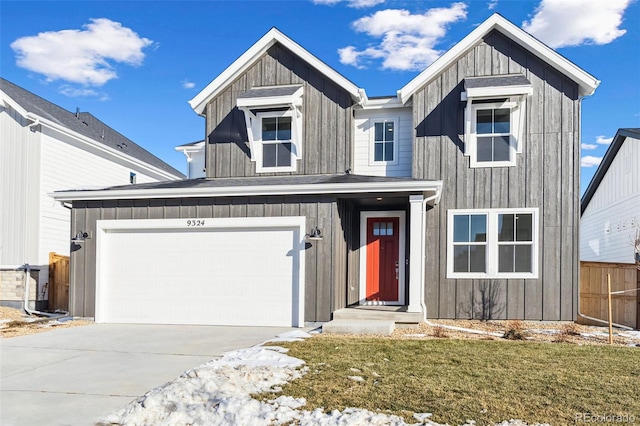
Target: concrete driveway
<point>74,376</point>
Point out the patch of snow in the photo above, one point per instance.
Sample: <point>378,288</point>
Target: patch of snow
<point>548,331</point>
<point>219,393</point>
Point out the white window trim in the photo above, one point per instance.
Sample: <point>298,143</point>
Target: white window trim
<point>372,141</point>
<point>293,104</point>
<point>516,102</point>
<point>471,135</point>
<point>492,244</point>
<point>258,142</point>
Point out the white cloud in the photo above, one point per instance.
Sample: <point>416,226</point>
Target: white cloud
<point>560,23</point>
<point>81,56</point>
<point>408,41</point>
<point>186,84</point>
<point>75,92</point>
<point>590,161</point>
<point>492,4</point>
<point>589,146</point>
<point>361,4</point>
<point>603,140</point>
<point>357,4</point>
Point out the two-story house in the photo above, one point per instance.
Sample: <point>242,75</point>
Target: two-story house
<point>455,198</point>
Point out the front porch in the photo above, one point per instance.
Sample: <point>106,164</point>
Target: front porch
<point>360,319</point>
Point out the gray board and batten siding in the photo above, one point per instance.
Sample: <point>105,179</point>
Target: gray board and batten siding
<point>327,114</point>
<point>546,176</point>
<point>326,269</point>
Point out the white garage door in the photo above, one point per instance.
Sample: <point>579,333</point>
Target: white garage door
<point>235,271</point>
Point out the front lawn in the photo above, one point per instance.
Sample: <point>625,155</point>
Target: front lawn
<point>457,380</point>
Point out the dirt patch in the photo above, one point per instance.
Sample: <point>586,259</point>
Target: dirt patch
<point>13,323</point>
<point>553,332</point>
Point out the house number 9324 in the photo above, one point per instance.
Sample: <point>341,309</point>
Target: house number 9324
<point>195,222</point>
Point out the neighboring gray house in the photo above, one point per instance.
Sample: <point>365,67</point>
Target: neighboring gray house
<point>610,206</point>
<point>45,148</point>
<point>455,198</point>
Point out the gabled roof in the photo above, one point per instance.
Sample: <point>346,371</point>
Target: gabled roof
<point>254,53</point>
<point>83,124</point>
<point>611,153</point>
<point>587,83</point>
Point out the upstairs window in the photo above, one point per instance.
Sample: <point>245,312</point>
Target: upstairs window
<point>384,144</point>
<point>493,134</point>
<point>494,117</point>
<point>276,142</point>
<point>273,118</point>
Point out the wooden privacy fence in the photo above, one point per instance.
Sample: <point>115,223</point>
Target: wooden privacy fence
<point>625,277</point>
<point>58,282</point>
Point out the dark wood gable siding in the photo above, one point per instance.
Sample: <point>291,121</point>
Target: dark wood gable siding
<point>546,176</point>
<point>327,119</point>
<point>326,268</point>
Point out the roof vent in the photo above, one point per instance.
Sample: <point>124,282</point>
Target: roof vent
<point>77,112</point>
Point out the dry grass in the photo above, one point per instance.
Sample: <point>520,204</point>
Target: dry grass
<point>456,380</point>
<point>14,323</point>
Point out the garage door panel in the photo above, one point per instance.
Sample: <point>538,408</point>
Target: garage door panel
<point>237,276</point>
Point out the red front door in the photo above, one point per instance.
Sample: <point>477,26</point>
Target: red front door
<point>382,259</point>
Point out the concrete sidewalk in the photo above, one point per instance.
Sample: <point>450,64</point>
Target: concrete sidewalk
<point>74,376</point>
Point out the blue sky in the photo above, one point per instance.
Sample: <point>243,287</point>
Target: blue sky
<point>135,64</point>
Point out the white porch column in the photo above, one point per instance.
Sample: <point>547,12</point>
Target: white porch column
<point>416,255</point>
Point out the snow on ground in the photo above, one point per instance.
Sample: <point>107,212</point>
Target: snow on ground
<point>219,393</point>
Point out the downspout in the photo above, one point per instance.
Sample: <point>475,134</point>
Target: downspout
<point>423,247</point>
<point>27,276</point>
<point>35,123</point>
<point>580,314</point>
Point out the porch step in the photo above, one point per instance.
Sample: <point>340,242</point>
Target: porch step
<point>349,326</point>
<point>398,315</point>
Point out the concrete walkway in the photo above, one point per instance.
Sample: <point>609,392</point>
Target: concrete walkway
<point>74,376</point>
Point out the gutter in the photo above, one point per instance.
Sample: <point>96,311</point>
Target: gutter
<point>146,167</point>
<point>246,191</point>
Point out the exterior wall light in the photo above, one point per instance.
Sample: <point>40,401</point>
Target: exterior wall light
<point>80,237</point>
<point>314,234</point>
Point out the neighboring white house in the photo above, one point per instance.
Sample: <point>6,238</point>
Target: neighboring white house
<point>610,206</point>
<point>44,148</point>
<point>195,158</point>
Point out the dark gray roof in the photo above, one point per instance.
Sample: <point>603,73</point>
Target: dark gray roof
<point>267,92</point>
<point>287,180</point>
<point>611,153</point>
<point>496,81</point>
<point>191,143</point>
<point>83,123</point>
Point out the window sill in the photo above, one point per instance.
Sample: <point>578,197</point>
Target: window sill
<point>499,276</point>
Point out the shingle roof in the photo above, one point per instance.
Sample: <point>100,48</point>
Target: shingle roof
<point>83,123</point>
<point>287,180</point>
<point>267,92</point>
<point>611,153</point>
<point>496,81</point>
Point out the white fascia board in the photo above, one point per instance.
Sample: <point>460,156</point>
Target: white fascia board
<point>145,167</point>
<point>270,101</point>
<point>586,82</point>
<point>190,148</point>
<point>427,187</point>
<point>8,101</point>
<point>496,91</point>
<point>383,103</point>
<point>199,102</point>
